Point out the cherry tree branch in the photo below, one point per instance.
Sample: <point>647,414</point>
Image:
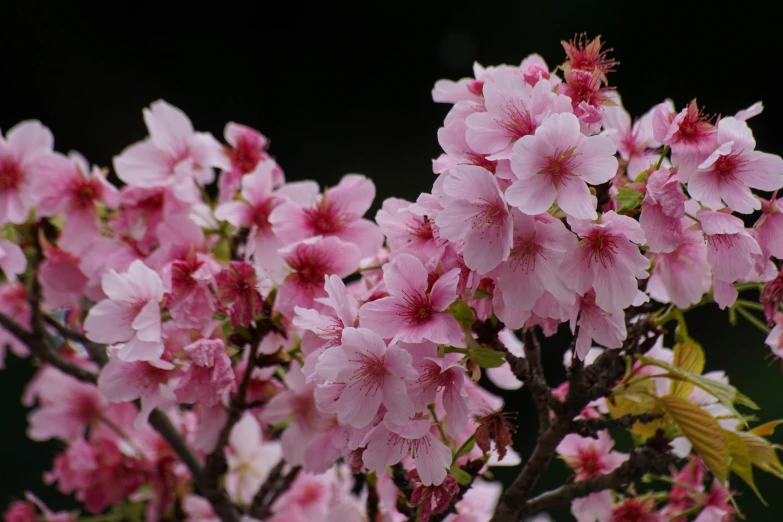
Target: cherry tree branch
<point>585,385</point>
<point>536,382</point>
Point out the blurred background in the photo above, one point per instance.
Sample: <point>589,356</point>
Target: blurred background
<point>347,89</point>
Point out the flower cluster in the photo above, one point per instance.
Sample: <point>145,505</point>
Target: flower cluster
<point>224,344</point>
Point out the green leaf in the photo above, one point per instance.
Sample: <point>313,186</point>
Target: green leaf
<point>725,393</point>
<point>481,294</point>
<point>629,199</point>
<point>702,431</point>
<point>462,476</point>
<point>465,448</point>
<point>689,357</point>
<point>463,313</point>
<point>486,357</point>
<point>740,462</point>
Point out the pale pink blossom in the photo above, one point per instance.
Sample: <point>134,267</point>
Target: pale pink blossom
<point>67,186</point>
<point>729,246</point>
<point>556,163</point>
<point>477,214</point>
<point>606,328</point>
<point>414,310</point>
<point>23,146</point>
<point>253,212</point>
<point>775,337</point>
<point>595,507</point>
<point>209,379</point>
<point>633,142</point>
<point>406,230</point>
<point>608,260</point>
<point>663,208</point>
<point>12,260</point>
<point>513,109</point>
<point>540,244</point>
<point>131,314</point>
<point>374,375</point>
<point>589,457</point>
<point>451,138</point>
<point>309,261</point>
<point>769,228</point>
<point>250,459</point>
<point>502,376</point>
<point>689,133</point>
<point>173,155</point>
<point>337,213</point>
<point>62,281</point>
<point>14,304</point>
<point>122,381</point>
<point>388,443</point>
<point>729,173</point>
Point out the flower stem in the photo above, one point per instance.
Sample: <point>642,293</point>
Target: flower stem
<point>440,426</point>
<point>663,155</point>
<point>752,319</point>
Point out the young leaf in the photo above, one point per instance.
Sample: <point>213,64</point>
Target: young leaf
<point>766,429</point>
<point>462,476</point>
<point>688,356</point>
<point>740,462</point>
<point>634,399</point>
<point>486,357</point>
<point>702,431</point>
<point>629,199</point>
<point>725,393</point>
<point>762,453</point>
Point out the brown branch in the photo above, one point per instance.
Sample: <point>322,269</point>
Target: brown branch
<point>647,459</point>
<point>258,505</point>
<point>591,427</point>
<point>400,478</point>
<point>262,510</point>
<point>542,393</point>
<point>585,385</point>
<point>97,351</point>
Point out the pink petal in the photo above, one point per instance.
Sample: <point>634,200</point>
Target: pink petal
<point>533,195</point>
<point>444,291</point>
<point>575,199</point>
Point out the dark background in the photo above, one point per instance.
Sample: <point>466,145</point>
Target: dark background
<point>347,89</point>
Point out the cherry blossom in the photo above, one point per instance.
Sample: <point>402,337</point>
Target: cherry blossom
<point>556,163</point>
<point>23,147</point>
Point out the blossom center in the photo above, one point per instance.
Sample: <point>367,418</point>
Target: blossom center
<point>10,174</point>
<point>517,123</point>
<point>727,165</point>
<point>323,219</point>
<point>601,247</point>
<point>418,308</point>
<point>370,373</point>
<point>559,167</point>
<point>525,252</point>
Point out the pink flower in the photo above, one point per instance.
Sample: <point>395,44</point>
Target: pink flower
<point>478,215</point>
<point>440,374</point>
<point>250,459</point>
<point>406,230</point>
<point>433,499</point>
<point>142,210</point>
<point>775,337</point>
<point>595,507</point>
<point>373,375</point>
<point>682,276</point>
<point>388,443</point>
<point>14,303</point>
<point>12,260</point>
<point>414,311</point>
<point>27,511</point>
<point>717,504</point>
<point>122,381</point>
<point>451,138</point>
<point>596,325</point>
<point>729,173</point>
<point>514,109</point>
<point>246,149</point>
<point>309,261</point>
<point>607,260</point>
<point>209,380</point>
<point>337,213</point>
<point>729,246</point>
<point>130,315</point>
<point>590,457</point>
<point>67,407</point>
<point>62,281</point>
<point>187,286</point>
<point>540,245</point>
<point>253,213</point>
<point>769,228</point>
<point>632,142</point>
<point>238,285</point>
<point>556,163</point>
<point>662,210</point>
<point>174,155</point>
<point>24,145</point>
<point>691,136</point>
<point>66,185</point>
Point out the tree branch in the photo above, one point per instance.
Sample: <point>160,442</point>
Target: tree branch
<point>647,459</point>
<point>591,427</point>
<point>542,393</point>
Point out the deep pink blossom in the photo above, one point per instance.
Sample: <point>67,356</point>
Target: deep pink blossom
<point>373,374</point>
<point>388,443</point>
<point>432,499</point>
<point>131,314</point>
<point>729,173</point>
<point>477,214</point>
<point>309,261</point>
<point>209,379</point>
<point>337,213</point>
<point>238,290</point>
<point>689,133</point>
<point>662,210</point>
<point>608,260</point>
<point>414,310</point>
<point>23,146</point>
<point>187,284</point>
<point>246,149</point>
<point>556,163</point>
<point>540,244</point>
